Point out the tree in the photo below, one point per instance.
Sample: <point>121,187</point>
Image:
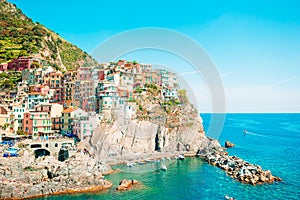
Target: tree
<point>4,127</point>
<point>20,132</point>
<point>35,65</point>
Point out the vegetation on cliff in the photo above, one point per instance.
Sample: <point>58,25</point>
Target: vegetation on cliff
<point>20,36</point>
<point>151,106</point>
<point>8,81</point>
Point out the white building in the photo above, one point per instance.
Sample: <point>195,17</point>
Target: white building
<point>85,126</point>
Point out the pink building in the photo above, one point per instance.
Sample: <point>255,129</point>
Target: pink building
<point>3,67</point>
<point>21,63</point>
<point>84,73</point>
<point>43,89</point>
<point>85,90</point>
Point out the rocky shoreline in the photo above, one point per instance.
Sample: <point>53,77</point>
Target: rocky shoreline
<point>239,169</point>
<point>26,177</point>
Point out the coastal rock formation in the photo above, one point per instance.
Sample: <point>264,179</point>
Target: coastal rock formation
<point>152,127</point>
<point>25,178</point>
<point>241,170</point>
<point>229,144</point>
<point>126,184</point>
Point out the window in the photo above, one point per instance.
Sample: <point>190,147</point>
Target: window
<point>33,146</point>
<point>47,145</point>
<point>56,145</point>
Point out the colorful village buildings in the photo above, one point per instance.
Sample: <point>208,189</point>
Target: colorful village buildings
<point>48,102</point>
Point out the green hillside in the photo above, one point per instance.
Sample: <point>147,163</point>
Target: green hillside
<point>20,36</point>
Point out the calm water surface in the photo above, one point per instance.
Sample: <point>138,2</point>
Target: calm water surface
<point>273,143</point>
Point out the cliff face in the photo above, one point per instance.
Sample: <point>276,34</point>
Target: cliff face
<point>20,36</point>
<point>169,127</point>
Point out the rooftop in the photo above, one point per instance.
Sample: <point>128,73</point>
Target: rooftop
<point>70,109</point>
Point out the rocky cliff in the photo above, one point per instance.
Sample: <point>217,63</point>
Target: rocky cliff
<point>154,126</point>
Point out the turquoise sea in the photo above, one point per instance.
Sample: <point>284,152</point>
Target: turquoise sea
<point>273,143</point>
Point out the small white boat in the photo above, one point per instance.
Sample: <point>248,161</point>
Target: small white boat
<point>149,161</point>
<point>141,162</point>
<point>181,157</point>
<point>228,197</point>
<point>163,168</point>
<point>130,164</point>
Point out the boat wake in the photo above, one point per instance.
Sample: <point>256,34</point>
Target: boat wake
<point>275,136</point>
<point>256,134</point>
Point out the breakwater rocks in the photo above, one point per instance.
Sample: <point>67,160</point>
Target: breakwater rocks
<point>26,177</point>
<point>241,170</point>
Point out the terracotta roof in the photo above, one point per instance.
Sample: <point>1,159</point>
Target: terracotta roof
<point>55,74</point>
<point>69,110</point>
<point>34,93</point>
<point>68,101</point>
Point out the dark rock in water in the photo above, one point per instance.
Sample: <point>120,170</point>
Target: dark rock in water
<point>229,144</point>
<point>126,184</point>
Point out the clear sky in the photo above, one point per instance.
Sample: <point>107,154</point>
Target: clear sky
<point>254,44</point>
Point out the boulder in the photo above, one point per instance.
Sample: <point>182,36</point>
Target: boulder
<point>255,178</point>
<point>126,184</point>
<point>262,178</point>
<point>253,182</point>
<point>229,144</point>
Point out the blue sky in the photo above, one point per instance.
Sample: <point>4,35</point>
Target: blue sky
<point>254,44</point>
